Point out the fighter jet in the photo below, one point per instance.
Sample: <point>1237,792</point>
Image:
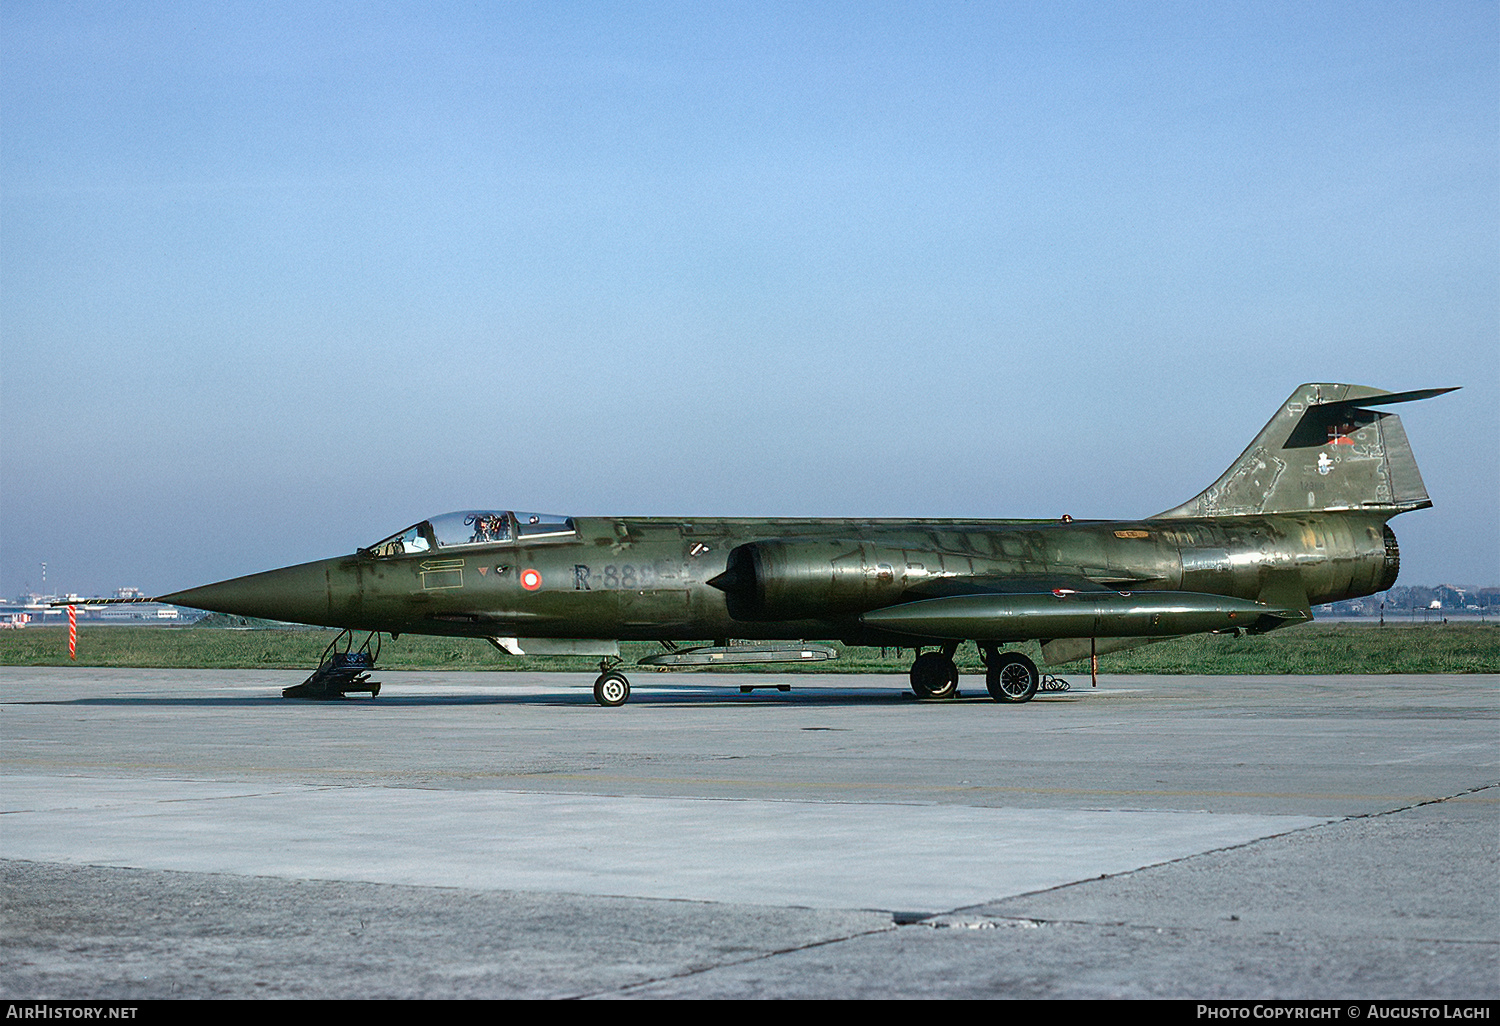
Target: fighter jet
<point>1299,519</point>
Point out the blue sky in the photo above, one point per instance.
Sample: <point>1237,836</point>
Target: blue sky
<point>278,280</point>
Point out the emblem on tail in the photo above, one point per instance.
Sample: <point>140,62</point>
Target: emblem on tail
<point>1326,449</point>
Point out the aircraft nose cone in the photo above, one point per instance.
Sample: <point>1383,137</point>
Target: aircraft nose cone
<point>296,594</point>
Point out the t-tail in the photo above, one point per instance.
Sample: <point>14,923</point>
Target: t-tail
<point>1325,450</point>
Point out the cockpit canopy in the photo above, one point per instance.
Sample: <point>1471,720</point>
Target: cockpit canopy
<point>472,527</point>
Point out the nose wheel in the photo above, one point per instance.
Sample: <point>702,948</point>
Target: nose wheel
<point>611,688</point>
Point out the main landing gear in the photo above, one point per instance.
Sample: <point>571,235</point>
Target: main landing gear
<point>1009,676</point>
<point>935,674</point>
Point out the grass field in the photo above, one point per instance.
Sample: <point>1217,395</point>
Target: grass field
<point>1311,648</point>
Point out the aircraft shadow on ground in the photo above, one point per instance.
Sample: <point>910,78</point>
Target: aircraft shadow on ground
<point>688,695</point>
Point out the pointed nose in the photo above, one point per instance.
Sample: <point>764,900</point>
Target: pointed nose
<point>296,594</point>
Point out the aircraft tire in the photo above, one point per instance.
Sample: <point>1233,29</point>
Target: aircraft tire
<point>1012,678</point>
<point>934,675</point>
<point>611,689</point>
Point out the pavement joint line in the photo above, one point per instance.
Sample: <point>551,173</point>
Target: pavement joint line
<point>990,921</point>
<point>1234,847</point>
<point>1180,860</point>
<point>984,922</point>
<point>761,957</point>
<point>1430,801</point>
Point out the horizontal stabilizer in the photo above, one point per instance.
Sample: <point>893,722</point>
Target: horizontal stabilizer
<point>1386,398</point>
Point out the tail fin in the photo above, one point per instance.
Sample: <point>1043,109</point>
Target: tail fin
<point>1322,451</point>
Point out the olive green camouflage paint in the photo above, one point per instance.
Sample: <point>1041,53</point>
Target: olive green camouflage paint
<point>1299,519</point>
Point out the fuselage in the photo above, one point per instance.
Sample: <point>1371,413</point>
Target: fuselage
<point>1298,519</point>
<point>652,578</point>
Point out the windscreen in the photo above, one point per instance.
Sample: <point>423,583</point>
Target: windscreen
<point>473,527</point>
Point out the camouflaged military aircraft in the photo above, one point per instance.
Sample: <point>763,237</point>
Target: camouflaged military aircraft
<point>1299,519</point>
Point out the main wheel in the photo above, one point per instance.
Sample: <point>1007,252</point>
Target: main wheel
<point>934,675</point>
<point>1012,678</point>
<point>611,689</point>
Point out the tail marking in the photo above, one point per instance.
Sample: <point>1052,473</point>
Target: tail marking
<point>1324,450</point>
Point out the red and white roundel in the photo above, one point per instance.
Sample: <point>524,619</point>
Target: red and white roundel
<point>531,579</point>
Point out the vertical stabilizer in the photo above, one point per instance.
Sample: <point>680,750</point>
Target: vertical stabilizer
<point>1324,450</point>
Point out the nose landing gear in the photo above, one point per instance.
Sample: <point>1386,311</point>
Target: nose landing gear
<point>611,688</point>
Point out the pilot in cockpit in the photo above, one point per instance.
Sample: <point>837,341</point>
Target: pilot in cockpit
<point>488,527</point>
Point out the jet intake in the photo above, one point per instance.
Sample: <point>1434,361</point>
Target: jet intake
<point>1066,614</point>
<point>794,580</point>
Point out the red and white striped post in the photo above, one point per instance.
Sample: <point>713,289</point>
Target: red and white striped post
<point>72,633</point>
